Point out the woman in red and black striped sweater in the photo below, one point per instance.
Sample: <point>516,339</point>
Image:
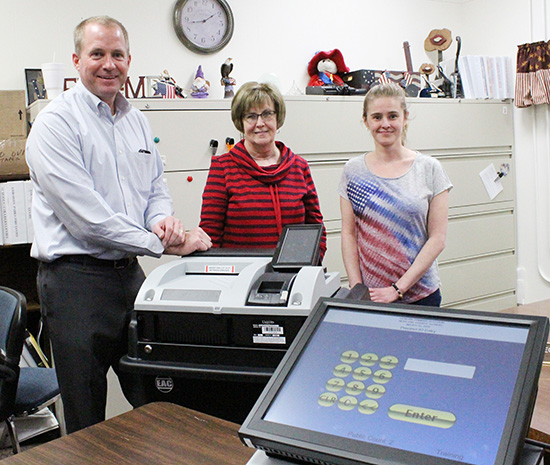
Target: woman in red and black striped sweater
<point>260,185</point>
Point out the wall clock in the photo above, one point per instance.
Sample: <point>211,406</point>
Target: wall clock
<point>203,26</point>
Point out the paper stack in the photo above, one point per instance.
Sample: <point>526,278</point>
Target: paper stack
<point>15,212</point>
<point>486,77</point>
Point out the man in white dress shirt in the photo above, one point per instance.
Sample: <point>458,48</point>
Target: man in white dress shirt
<point>99,201</point>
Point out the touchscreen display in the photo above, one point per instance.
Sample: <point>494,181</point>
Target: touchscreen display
<point>439,387</point>
<point>299,246</point>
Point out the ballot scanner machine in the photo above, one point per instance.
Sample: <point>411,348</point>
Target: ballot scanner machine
<point>208,330</point>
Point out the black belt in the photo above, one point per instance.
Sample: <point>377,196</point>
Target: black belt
<point>89,260</point>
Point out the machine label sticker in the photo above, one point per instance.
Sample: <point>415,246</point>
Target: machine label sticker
<point>268,332</point>
<point>218,269</point>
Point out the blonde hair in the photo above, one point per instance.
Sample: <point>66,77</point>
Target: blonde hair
<point>254,94</point>
<point>106,21</point>
<point>390,90</point>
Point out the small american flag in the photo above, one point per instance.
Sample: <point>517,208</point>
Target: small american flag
<point>408,79</point>
<point>385,78</point>
<point>166,90</point>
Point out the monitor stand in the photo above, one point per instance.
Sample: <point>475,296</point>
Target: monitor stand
<point>531,455</point>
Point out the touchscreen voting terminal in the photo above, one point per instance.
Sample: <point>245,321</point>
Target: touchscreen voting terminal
<point>298,246</point>
<point>367,383</point>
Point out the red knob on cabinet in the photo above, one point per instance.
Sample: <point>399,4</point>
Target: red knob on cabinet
<point>189,178</point>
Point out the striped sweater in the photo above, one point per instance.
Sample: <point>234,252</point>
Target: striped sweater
<point>246,206</point>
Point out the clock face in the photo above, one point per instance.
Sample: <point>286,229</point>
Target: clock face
<point>204,26</point>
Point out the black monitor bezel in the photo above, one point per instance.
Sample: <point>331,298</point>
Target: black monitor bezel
<point>317,233</point>
<point>295,442</point>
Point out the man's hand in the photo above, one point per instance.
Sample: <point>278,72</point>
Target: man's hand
<point>170,231</point>
<point>194,240</point>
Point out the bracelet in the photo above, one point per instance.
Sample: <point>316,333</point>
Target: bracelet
<point>399,293</point>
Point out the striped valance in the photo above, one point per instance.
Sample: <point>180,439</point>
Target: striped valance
<point>533,74</point>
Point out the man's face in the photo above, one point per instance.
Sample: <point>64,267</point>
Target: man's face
<point>103,62</point>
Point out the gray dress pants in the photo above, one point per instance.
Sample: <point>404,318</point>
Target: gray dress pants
<point>86,305</point>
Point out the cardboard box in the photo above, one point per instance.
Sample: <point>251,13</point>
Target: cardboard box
<point>12,159</point>
<point>13,114</point>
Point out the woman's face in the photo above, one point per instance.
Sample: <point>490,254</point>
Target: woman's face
<point>386,120</point>
<point>260,130</point>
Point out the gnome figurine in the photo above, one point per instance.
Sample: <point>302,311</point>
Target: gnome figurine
<point>200,86</point>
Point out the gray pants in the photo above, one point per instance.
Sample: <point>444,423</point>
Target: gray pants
<point>86,306</point>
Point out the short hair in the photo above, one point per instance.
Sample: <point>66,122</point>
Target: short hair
<point>387,90</point>
<point>106,21</point>
<point>254,94</point>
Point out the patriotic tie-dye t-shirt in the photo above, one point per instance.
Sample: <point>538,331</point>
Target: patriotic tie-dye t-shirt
<point>391,217</point>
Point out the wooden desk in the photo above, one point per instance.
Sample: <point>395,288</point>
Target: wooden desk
<point>540,423</point>
<point>157,433</point>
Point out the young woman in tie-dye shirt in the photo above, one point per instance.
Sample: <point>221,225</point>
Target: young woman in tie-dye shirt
<point>394,204</point>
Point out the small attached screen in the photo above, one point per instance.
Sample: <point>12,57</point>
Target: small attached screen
<point>373,383</point>
<point>298,246</point>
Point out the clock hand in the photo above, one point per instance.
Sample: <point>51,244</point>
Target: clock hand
<point>203,20</point>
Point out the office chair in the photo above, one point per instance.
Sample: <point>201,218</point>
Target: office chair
<point>23,391</point>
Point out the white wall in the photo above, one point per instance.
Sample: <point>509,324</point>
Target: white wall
<point>270,36</point>
<point>532,137</point>
<point>495,27</point>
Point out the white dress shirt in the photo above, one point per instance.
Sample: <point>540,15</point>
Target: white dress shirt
<point>97,179</point>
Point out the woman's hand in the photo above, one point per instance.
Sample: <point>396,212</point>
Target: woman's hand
<point>383,294</point>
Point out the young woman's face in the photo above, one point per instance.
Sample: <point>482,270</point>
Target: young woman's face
<point>386,120</point>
